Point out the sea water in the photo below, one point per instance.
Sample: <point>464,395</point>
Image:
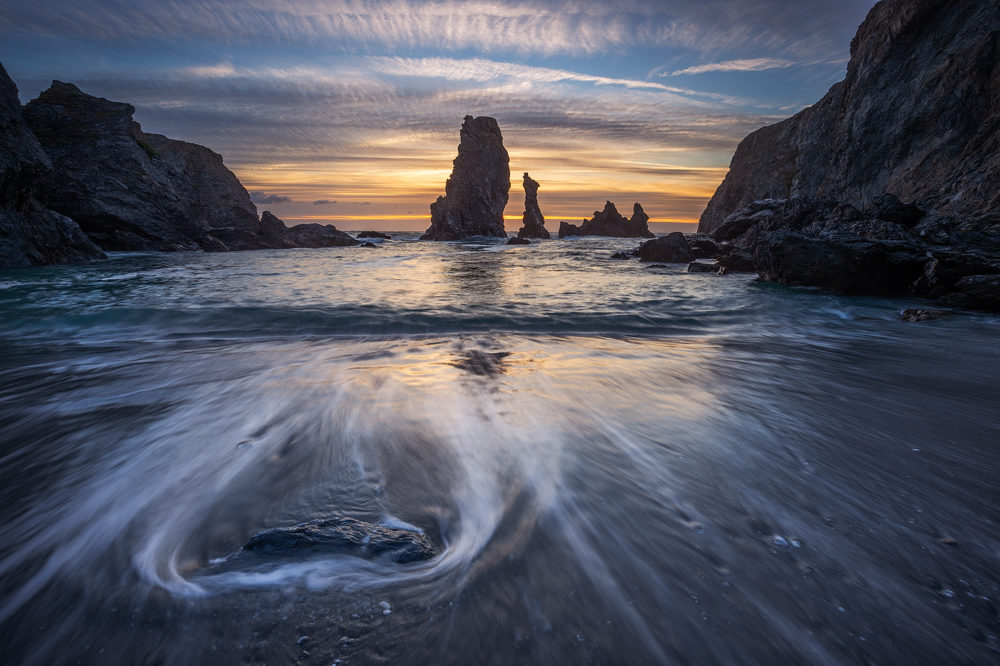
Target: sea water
<point>617,462</point>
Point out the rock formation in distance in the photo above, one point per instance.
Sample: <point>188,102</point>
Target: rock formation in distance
<point>30,234</point>
<point>534,223</point>
<point>477,191</point>
<point>915,116</point>
<point>609,222</point>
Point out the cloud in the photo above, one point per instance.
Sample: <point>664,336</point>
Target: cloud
<point>323,202</point>
<point>746,65</point>
<point>569,27</point>
<point>265,198</point>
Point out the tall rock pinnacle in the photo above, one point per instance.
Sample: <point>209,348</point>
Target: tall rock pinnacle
<point>534,223</point>
<point>477,191</point>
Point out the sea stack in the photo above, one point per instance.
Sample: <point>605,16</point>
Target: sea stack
<point>534,223</point>
<point>477,191</point>
<point>30,234</point>
<point>609,222</point>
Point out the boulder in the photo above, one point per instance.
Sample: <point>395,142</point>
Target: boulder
<point>30,234</point>
<point>517,240</point>
<point>374,234</point>
<point>477,191</point>
<point>976,291</point>
<point>342,535</point>
<point>841,263</point>
<point>736,261</point>
<point>609,222</point>
<point>702,246</point>
<point>671,248</point>
<point>534,223</point>
<point>702,267</point>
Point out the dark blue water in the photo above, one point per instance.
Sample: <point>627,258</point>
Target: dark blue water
<point>617,463</point>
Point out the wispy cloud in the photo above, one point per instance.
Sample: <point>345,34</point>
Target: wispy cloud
<point>323,202</point>
<point>569,27</point>
<point>264,198</point>
<point>745,65</point>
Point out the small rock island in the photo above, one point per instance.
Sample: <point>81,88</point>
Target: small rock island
<point>609,222</point>
<point>477,191</point>
<point>534,223</point>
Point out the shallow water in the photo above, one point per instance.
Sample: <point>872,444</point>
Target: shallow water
<point>617,463</point>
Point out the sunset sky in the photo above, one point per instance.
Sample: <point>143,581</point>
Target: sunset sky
<point>348,112</point>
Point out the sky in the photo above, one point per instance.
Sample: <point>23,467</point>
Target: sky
<point>348,112</point>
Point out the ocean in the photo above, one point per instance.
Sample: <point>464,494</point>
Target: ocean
<point>618,463</point>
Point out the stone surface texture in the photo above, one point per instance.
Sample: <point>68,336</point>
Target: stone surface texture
<point>30,234</point>
<point>477,191</point>
<point>916,116</point>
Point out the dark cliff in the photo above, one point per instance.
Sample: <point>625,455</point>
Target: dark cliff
<point>30,234</point>
<point>135,191</point>
<point>915,116</point>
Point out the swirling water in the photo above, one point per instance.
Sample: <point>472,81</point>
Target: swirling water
<point>618,463</point>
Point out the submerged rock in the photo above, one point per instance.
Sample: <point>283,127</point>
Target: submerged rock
<point>921,314</point>
<point>30,234</point>
<point>671,248</point>
<point>343,535</point>
<point>477,191</point>
<point>517,240</point>
<point>609,222</point>
<point>534,223</point>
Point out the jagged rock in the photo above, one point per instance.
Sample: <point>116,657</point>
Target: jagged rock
<point>343,535</point>
<point>374,234</point>
<point>477,191</point>
<point>517,240</point>
<point>609,222</point>
<point>534,223</point>
<point>671,248</point>
<point>841,263</point>
<point>703,247</point>
<point>702,267</point>
<point>915,116</point>
<point>130,190</point>
<point>736,261</point>
<point>976,291</point>
<point>30,234</point>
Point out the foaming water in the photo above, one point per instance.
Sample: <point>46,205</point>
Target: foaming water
<point>615,463</point>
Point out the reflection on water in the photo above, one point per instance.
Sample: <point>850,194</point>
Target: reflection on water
<point>819,489</point>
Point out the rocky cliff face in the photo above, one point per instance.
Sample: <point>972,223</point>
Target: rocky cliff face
<point>915,117</point>
<point>30,234</point>
<point>532,220</point>
<point>135,191</point>
<point>609,222</point>
<point>477,191</point>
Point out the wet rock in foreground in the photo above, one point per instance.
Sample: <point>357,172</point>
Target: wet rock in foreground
<point>343,535</point>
